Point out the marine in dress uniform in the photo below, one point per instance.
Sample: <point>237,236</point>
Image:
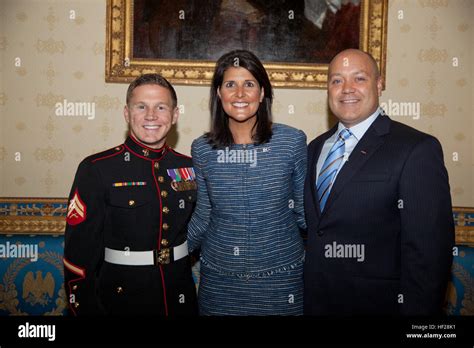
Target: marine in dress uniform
<point>125,241</point>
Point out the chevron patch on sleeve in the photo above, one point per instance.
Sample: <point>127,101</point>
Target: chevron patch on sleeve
<point>76,211</point>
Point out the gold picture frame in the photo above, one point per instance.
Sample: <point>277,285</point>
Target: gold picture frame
<point>122,67</point>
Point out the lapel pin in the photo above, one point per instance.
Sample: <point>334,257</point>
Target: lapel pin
<point>363,152</point>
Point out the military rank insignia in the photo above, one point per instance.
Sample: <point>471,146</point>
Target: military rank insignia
<point>183,179</point>
<point>76,211</point>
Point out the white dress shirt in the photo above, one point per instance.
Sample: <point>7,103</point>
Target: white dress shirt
<point>357,131</point>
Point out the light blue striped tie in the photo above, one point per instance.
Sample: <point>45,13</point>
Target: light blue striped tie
<point>330,167</point>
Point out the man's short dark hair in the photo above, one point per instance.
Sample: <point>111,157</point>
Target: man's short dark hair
<point>152,79</point>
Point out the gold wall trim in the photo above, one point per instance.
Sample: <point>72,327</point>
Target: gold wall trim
<point>28,215</point>
<point>464,222</point>
<point>33,215</point>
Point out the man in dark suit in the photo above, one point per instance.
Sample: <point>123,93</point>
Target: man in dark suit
<point>378,206</point>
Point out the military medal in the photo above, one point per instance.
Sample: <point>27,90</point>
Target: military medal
<point>183,179</point>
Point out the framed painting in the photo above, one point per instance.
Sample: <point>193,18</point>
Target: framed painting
<point>182,39</point>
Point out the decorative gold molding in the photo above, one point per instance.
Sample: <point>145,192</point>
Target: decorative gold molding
<point>464,222</point>
<point>28,225</point>
<point>25,215</point>
<point>33,215</point>
<point>121,67</point>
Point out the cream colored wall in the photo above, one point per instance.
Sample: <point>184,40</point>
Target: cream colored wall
<point>64,59</point>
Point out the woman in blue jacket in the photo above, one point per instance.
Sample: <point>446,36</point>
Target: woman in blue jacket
<point>250,174</point>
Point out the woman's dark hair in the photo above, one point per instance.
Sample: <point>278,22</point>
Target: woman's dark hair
<point>220,134</point>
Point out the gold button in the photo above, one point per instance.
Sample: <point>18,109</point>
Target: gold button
<point>157,165</point>
<point>74,287</point>
<point>76,304</point>
<point>166,210</point>
<point>164,242</point>
<point>165,226</point>
<point>131,202</point>
<point>119,290</point>
<point>164,194</point>
<point>161,179</point>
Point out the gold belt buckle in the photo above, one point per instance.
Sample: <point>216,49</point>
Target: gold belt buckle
<point>162,256</point>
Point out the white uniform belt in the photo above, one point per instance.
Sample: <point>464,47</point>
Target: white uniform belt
<point>146,258</point>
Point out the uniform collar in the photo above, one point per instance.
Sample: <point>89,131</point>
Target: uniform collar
<point>143,151</point>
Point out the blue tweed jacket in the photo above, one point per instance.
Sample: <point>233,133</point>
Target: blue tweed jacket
<point>250,204</point>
